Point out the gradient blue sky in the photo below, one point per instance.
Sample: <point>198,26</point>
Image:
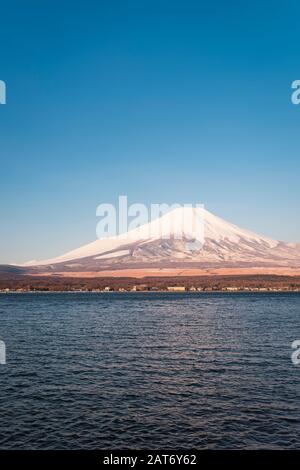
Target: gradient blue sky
<point>165,101</point>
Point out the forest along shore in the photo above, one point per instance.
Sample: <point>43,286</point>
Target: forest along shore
<point>257,283</point>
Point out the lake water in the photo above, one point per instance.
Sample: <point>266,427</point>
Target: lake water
<point>149,371</point>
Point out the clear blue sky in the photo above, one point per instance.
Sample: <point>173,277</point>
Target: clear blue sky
<point>165,101</point>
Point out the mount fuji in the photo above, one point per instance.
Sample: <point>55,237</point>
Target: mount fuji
<point>164,246</point>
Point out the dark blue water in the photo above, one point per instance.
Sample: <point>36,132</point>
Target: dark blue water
<point>150,370</point>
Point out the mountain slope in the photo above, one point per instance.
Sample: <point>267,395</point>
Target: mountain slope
<point>170,243</point>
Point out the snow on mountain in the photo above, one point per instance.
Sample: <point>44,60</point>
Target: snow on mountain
<point>171,241</point>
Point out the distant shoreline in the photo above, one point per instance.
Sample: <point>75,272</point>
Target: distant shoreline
<point>186,292</point>
<point>169,284</point>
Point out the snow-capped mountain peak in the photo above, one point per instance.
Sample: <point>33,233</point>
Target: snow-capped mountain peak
<point>184,235</point>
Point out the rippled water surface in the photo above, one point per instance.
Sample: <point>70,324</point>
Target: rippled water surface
<point>203,370</point>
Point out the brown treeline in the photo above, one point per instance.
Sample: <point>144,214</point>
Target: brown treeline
<point>57,283</point>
